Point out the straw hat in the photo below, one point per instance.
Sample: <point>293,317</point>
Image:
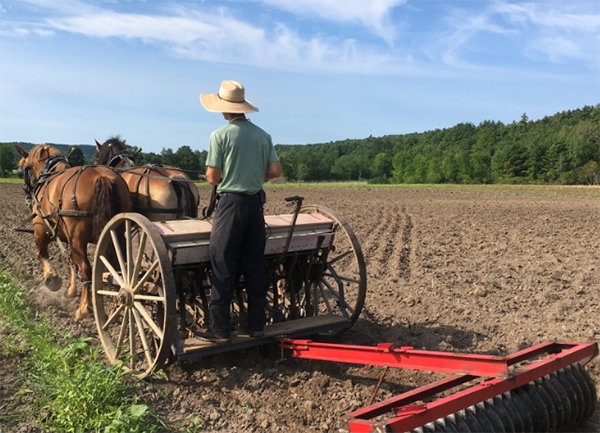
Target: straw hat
<point>230,99</point>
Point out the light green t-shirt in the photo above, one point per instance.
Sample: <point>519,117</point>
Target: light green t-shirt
<point>242,151</point>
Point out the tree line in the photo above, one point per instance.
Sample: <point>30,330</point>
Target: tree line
<point>560,149</point>
<point>192,161</point>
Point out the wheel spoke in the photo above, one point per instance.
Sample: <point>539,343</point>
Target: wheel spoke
<point>138,259</point>
<point>131,339</point>
<point>112,271</point>
<point>337,295</point>
<point>122,334</point>
<point>325,298</point>
<point>148,319</point>
<point>117,247</point>
<point>350,280</point>
<point>128,250</point>
<point>148,298</point>
<point>107,293</point>
<point>138,322</point>
<point>340,257</point>
<point>113,317</point>
<point>331,289</point>
<point>147,275</point>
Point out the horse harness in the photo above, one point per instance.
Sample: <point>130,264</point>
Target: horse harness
<point>33,187</point>
<point>146,174</point>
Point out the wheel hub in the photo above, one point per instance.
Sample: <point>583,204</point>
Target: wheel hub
<point>125,296</point>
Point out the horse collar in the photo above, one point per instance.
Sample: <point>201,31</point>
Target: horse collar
<point>32,185</point>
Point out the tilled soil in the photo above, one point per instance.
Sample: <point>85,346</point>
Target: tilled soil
<point>473,270</point>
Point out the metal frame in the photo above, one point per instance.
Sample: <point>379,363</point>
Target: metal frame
<point>496,378</point>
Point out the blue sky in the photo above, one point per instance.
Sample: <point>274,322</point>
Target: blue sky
<point>72,71</point>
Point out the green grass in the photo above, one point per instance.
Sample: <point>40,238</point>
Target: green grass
<point>11,181</point>
<point>70,389</point>
<point>543,190</point>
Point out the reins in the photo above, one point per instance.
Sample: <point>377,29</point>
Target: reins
<point>154,166</point>
<point>212,204</point>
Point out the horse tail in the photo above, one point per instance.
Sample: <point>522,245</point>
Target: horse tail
<point>185,195</point>
<point>107,204</point>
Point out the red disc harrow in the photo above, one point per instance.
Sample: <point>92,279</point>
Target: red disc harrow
<point>540,389</point>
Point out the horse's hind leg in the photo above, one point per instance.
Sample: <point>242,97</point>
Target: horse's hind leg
<point>52,281</point>
<point>72,290</point>
<point>79,250</point>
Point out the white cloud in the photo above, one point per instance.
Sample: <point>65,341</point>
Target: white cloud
<point>175,30</point>
<point>218,37</point>
<point>559,30</point>
<point>206,33</point>
<point>554,15</point>
<point>21,32</point>
<point>562,30</point>
<point>373,14</point>
<point>558,49</point>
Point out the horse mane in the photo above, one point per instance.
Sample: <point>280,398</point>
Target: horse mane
<point>43,151</point>
<point>108,148</point>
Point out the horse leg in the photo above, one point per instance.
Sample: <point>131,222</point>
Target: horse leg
<point>85,307</point>
<point>72,290</point>
<point>79,249</point>
<point>52,281</point>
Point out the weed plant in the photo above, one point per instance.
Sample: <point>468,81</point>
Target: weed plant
<point>72,390</point>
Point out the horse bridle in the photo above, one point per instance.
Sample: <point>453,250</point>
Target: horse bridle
<point>118,157</point>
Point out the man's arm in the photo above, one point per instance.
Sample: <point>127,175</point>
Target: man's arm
<point>213,175</point>
<point>273,170</point>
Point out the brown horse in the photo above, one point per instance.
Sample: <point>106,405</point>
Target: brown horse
<point>72,205</point>
<point>161,193</point>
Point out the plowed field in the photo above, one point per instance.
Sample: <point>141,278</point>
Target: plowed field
<point>487,270</point>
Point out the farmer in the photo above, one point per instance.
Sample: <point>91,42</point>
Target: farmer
<point>240,158</point>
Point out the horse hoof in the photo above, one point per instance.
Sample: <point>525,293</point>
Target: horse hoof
<point>81,313</point>
<point>71,293</point>
<point>53,283</point>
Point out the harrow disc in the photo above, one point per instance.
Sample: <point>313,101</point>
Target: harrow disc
<point>133,294</point>
<point>561,401</point>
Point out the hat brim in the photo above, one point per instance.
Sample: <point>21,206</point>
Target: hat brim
<point>213,102</point>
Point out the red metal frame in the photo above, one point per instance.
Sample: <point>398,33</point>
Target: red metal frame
<point>496,378</point>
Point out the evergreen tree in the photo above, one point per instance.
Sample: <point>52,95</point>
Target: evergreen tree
<point>7,160</point>
<point>76,157</point>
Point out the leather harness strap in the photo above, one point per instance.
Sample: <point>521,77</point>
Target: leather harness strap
<point>145,174</point>
<point>40,188</point>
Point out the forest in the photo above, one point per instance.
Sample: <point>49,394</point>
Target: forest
<point>560,149</point>
<point>563,148</point>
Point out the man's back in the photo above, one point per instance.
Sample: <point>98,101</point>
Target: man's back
<point>243,151</point>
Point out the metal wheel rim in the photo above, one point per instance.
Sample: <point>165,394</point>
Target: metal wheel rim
<point>138,328</point>
<point>358,280</point>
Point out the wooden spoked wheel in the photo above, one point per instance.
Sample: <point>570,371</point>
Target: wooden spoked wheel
<point>342,286</point>
<point>133,292</point>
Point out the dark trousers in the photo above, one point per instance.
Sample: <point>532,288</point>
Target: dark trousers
<point>238,233</point>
